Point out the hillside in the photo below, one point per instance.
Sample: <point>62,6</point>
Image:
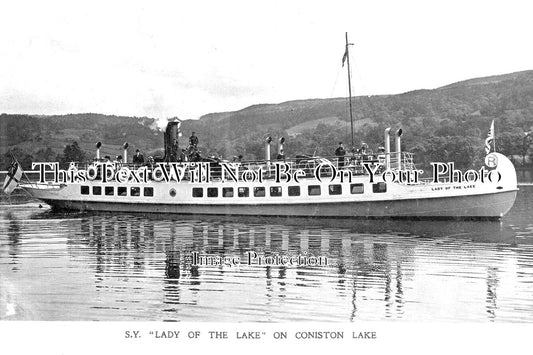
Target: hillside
<point>491,97</point>
<point>464,109</point>
<point>444,121</point>
<point>44,137</point>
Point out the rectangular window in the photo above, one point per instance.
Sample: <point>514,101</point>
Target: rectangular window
<point>122,191</point>
<point>275,191</point>
<point>135,191</point>
<point>313,190</point>
<point>149,191</point>
<point>109,190</point>
<point>335,189</point>
<point>379,187</point>
<point>357,188</point>
<point>97,190</point>
<point>227,191</point>
<point>85,190</point>
<point>197,192</point>
<point>212,192</point>
<point>243,192</point>
<point>294,190</point>
<point>259,191</point>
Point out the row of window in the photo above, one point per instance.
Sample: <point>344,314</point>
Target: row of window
<point>120,191</point>
<point>276,191</point>
<point>260,191</point>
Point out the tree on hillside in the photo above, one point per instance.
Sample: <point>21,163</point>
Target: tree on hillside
<point>527,145</point>
<point>510,144</point>
<point>72,152</point>
<point>465,152</point>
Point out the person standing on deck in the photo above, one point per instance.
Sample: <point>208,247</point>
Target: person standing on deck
<point>193,141</point>
<point>118,162</point>
<point>340,152</point>
<point>138,158</point>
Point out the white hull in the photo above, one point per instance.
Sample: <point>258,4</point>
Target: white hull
<point>477,206</point>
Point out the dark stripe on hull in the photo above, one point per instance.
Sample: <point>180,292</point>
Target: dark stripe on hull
<point>462,207</point>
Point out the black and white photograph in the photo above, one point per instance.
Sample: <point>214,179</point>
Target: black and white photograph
<point>337,176</point>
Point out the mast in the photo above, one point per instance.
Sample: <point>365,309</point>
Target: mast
<point>347,57</point>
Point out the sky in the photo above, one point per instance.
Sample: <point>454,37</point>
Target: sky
<point>188,58</point>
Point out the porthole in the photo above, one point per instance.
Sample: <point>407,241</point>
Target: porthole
<point>335,189</point>
<point>313,190</point>
<point>380,187</point>
<point>294,190</point>
<point>275,191</point>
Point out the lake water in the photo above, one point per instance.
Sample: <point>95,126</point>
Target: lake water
<point>141,267</point>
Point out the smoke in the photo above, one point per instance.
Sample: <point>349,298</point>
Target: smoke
<point>161,124</point>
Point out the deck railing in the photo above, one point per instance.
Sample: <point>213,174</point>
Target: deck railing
<point>353,163</point>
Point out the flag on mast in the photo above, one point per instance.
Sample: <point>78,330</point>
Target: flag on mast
<point>345,56</point>
<point>14,174</point>
<point>490,139</point>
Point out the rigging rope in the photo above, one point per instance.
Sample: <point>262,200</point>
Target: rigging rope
<point>335,83</point>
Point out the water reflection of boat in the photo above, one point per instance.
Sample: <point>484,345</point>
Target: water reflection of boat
<point>480,231</point>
